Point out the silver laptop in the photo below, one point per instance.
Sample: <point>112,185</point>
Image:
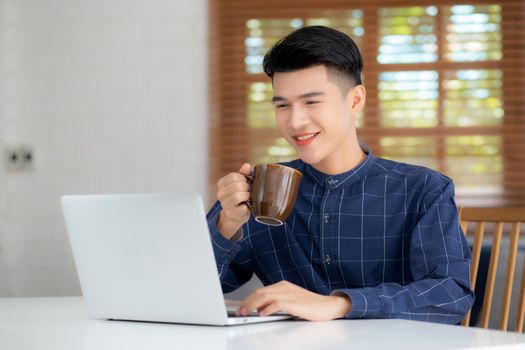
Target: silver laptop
<point>148,257</point>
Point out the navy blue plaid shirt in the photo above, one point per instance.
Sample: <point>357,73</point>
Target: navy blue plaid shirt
<point>385,233</point>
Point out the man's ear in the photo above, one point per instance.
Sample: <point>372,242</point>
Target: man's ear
<point>356,98</point>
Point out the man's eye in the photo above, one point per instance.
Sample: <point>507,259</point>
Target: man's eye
<point>281,106</point>
<point>311,102</point>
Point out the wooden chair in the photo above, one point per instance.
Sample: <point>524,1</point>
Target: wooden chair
<point>499,216</point>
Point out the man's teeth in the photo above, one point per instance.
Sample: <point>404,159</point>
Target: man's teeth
<point>305,137</point>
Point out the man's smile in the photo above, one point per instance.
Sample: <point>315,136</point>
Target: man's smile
<point>305,138</point>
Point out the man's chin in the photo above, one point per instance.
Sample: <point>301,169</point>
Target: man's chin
<point>309,159</point>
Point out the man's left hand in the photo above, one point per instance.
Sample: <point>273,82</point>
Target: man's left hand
<point>287,297</point>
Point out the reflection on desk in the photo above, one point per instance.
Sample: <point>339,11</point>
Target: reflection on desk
<point>63,323</point>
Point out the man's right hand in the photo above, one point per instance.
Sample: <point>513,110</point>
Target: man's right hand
<point>233,191</point>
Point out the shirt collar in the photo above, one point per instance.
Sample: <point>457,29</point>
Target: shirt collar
<point>346,178</point>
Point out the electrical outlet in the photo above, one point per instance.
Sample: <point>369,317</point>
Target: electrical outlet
<point>28,157</point>
<point>13,160</point>
<point>19,159</point>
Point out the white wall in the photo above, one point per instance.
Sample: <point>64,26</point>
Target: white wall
<point>111,95</point>
<point>3,262</point>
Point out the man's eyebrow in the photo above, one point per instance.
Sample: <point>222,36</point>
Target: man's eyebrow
<point>278,99</point>
<point>307,95</point>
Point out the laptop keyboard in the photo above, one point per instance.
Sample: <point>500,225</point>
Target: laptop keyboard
<point>233,314</point>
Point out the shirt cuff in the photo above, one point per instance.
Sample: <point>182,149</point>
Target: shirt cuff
<point>223,248</point>
<point>365,302</point>
<point>237,236</point>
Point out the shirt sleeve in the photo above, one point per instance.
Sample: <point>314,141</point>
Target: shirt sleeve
<point>439,262</point>
<point>231,255</point>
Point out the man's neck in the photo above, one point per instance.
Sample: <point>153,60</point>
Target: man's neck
<point>341,162</point>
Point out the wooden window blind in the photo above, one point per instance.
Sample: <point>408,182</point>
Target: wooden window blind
<point>444,80</point>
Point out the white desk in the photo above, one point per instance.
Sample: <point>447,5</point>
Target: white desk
<point>63,323</point>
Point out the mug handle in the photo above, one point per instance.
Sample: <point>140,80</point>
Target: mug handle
<point>250,180</point>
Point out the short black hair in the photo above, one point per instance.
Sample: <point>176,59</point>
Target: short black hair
<point>315,45</point>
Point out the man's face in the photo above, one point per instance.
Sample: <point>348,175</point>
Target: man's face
<point>315,115</point>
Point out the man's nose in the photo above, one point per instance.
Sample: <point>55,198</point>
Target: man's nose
<point>298,118</point>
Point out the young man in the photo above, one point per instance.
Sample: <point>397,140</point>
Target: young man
<point>368,237</point>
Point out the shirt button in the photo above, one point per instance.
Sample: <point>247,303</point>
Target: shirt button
<point>327,259</point>
<point>326,217</point>
<point>332,182</point>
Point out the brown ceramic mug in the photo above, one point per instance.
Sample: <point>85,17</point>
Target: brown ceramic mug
<point>273,193</point>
